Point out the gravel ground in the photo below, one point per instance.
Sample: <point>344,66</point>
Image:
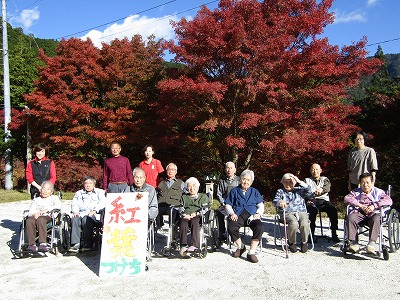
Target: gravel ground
<point>324,273</point>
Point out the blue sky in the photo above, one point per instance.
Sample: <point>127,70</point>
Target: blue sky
<point>106,20</point>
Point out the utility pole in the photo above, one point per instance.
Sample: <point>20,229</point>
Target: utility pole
<point>28,140</point>
<point>8,182</point>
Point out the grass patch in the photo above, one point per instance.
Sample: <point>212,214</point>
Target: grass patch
<point>16,195</point>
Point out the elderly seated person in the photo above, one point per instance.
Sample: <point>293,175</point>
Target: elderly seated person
<point>39,215</point>
<point>140,186</point>
<point>291,199</point>
<point>191,203</point>
<point>365,203</point>
<point>245,206</point>
<point>86,205</point>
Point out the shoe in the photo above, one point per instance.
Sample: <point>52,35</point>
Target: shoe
<point>354,247</point>
<point>183,251</point>
<point>85,249</point>
<point>335,239</point>
<point>222,238</point>
<point>32,248</point>
<point>371,249</point>
<point>292,247</point>
<point>192,249</point>
<point>252,258</point>
<point>43,248</point>
<point>74,248</point>
<point>304,247</point>
<point>239,252</point>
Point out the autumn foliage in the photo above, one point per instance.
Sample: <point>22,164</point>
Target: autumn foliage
<point>255,83</point>
<point>260,84</point>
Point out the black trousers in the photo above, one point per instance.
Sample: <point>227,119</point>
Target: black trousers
<point>255,225</point>
<point>323,206</point>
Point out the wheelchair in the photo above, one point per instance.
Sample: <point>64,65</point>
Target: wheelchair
<point>208,234</point>
<point>173,233</point>
<point>278,224</point>
<point>388,232</point>
<point>53,234</point>
<point>66,231</point>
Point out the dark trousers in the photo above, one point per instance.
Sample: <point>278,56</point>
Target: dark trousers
<point>194,225</point>
<point>85,226</point>
<point>221,222</point>
<point>323,206</point>
<point>164,209</point>
<point>41,225</point>
<point>255,225</point>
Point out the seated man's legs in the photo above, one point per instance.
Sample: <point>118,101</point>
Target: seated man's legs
<point>76,224</point>
<point>163,210</point>
<point>332,213</point>
<point>88,224</point>
<point>219,214</point>
<point>374,223</point>
<point>353,221</point>
<point>313,212</point>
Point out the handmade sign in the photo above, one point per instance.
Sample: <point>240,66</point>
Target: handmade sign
<point>123,250</point>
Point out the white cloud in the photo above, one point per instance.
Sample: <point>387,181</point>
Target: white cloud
<point>372,2</point>
<point>26,18</point>
<point>354,16</point>
<point>132,25</point>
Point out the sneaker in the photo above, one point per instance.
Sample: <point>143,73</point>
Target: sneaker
<point>74,248</point>
<point>354,247</point>
<point>335,239</point>
<point>371,249</point>
<point>32,248</point>
<point>183,251</point>
<point>239,252</point>
<point>252,258</point>
<point>292,247</point>
<point>304,247</point>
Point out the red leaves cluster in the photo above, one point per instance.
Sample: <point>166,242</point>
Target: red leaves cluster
<point>280,88</point>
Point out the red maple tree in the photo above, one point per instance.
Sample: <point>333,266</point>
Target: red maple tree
<point>260,86</point>
<point>86,97</point>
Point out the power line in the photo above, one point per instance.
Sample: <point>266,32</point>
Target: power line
<point>120,19</point>
<point>178,13</point>
<point>166,17</point>
<point>383,42</point>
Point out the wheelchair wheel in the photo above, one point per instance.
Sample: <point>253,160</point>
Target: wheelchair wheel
<point>65,233</point>
<point>393,230</point>
<point>203,252</point>
<point>21,243</point>
<point>385,253</point>
<point>166,252</point>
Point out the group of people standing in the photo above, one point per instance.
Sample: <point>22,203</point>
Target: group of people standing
<point>240,203</point>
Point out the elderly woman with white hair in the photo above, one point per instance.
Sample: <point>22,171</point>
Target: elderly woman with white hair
<point>245,206</point>
<point>291,199</point>
<point>192,202</point>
